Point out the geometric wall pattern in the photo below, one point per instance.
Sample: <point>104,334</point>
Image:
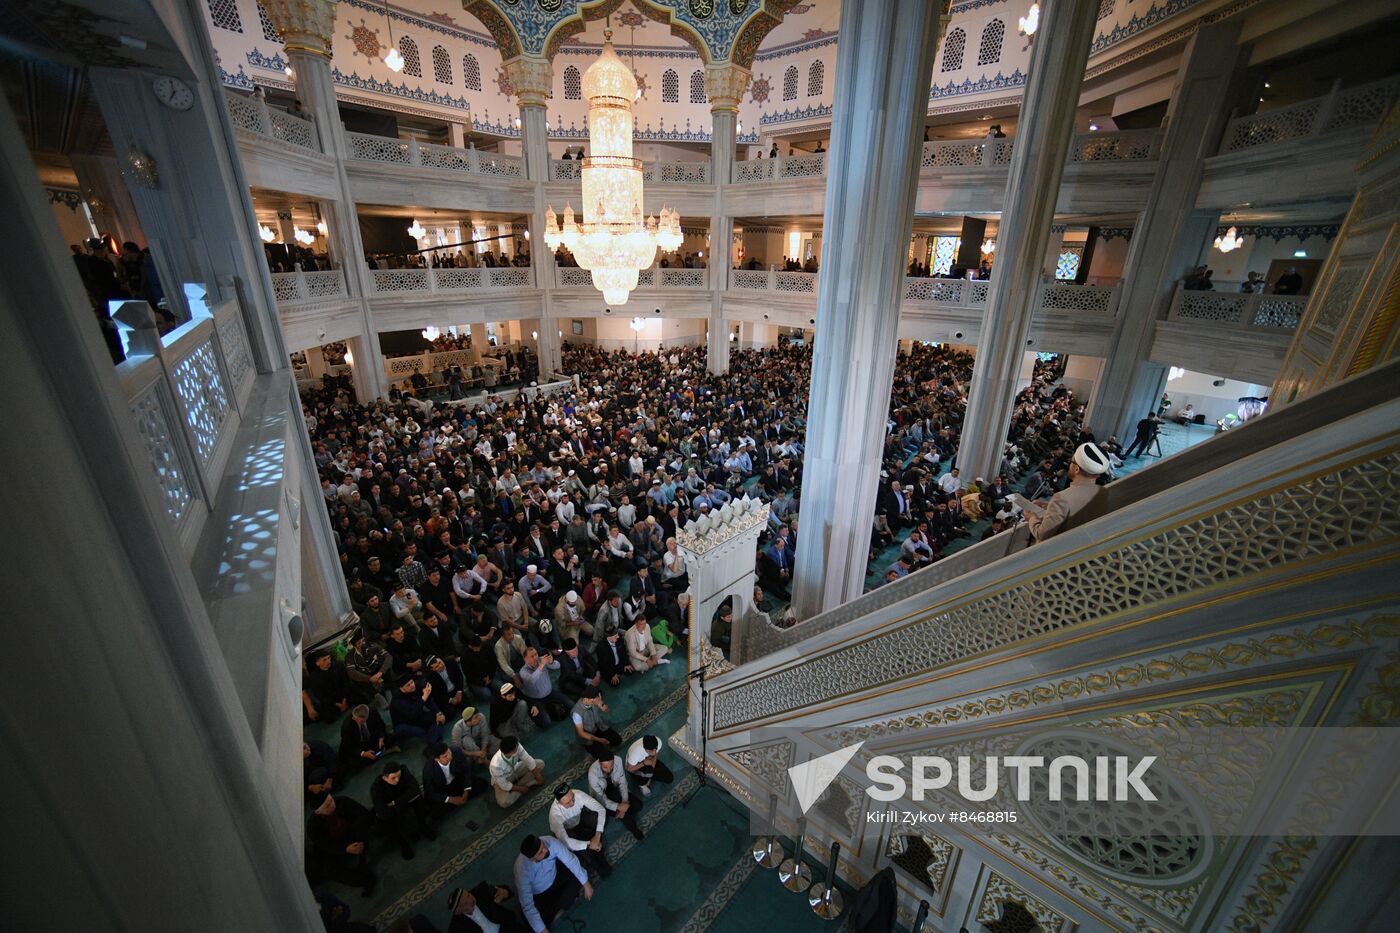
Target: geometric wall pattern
<point>1349,506</point>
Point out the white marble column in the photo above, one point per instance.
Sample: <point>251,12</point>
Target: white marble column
<point>1043,133</point>
<point>1170,232</point>
<point>883,68</point>
<point>88,841</point>
<point>101,185</point>
<point>307,28</point>
<point>532,78</point>
<point>725,83</point>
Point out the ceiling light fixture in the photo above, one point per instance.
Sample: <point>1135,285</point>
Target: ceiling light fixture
<point>302,237</point>
<point>613,240</point>
<point>392,59</point>
<point>1029,23</point>
<point>1230,242</point>
<point>416,230</point>
<point>266,234</point>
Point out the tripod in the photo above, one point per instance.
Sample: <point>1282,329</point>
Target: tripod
<point>704,724</point>
<point>1155,444</point>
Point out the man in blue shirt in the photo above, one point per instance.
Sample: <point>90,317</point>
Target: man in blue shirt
<point>543,889</point>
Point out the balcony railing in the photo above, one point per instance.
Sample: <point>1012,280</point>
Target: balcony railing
<point>678,173</point>
<point>293,287</point>
<point>1363,105</point>
<point>1274,313</point>
<point>186,391</point>
<point>391,151</point>
<point>436,281</point>
<point>251,113</point>
<point>573,277</point>
<point>803,166</point>
<point>1119,146</point>
<point>948,293</point>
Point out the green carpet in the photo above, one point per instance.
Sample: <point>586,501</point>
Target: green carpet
<point>651,703</point>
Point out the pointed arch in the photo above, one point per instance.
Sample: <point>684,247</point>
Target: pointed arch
<point>953,47</point>
<point>670,86</point>
<point>442,65</point>
<point>573,84</point>
<point>697,87</point>
<point>790,83</point>
<point>471,72</point>
<point>989,50</point>
<point>412,64</point>
<point>816,78</point>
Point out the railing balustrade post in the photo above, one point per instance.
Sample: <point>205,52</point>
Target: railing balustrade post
<point>473,159</point>
<point>303,291</point>
<point>264,115</point>
<point>772,277</point>
<point>989,153</point>
<point>1326,109</point>
<point>415,155</point>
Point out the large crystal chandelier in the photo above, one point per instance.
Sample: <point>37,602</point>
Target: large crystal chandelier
<point>613,241</point>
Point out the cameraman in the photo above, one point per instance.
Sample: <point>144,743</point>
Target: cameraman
<point>1146,433</point>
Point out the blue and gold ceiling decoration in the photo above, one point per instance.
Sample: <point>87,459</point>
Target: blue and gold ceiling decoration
<point>720,30</point>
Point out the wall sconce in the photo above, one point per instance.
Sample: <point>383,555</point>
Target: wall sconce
<point>143,167</point>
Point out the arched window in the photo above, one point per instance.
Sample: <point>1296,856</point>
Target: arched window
<point>411,63</point>
<point>573,84</point>
<point>697,87</point>
<point>269,30</point>
<point>471,73</point>
<point>670,87</point>
<point>442,65</point>
<point>815,78</point>
<point>790,83</point>
<point>989,52</point>
<point>224,14</point>
<point>953,50</point>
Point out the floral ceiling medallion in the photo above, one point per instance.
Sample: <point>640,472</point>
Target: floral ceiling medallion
<point>365,40</point>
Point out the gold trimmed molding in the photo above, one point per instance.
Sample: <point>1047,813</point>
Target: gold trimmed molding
<point>531,78</point>
<point>304,25</point>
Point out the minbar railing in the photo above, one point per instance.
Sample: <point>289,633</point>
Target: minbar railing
<point>1267,313</point>
<point>1363,105</point>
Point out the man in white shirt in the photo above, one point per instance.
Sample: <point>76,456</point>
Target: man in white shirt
<point>644,764</point>
<point>513,771</point>
<point>533,586</point>
<point>565,509</point>
<point>577,820</point>
<point>951,482</point>
<point>644,651</point>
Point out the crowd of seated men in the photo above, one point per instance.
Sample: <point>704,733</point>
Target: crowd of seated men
<point>511,563</point>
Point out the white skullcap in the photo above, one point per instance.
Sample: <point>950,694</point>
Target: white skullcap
<point>532,569</point>
<point>571,597</point>
<point>1091,460</point>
